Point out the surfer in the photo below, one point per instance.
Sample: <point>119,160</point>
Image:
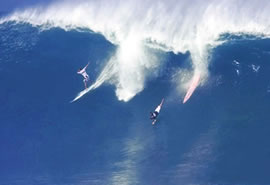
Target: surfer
<point>84,74</point>
<point>154,115</point>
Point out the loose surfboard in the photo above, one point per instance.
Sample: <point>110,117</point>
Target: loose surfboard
<point>194,84</point>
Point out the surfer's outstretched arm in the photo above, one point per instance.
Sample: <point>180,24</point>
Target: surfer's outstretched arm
<point>86,66</point>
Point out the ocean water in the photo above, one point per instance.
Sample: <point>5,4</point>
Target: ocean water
<point>220,136</point>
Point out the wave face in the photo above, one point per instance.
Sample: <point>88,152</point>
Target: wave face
<point>220,136</point>
<point>172,26</point>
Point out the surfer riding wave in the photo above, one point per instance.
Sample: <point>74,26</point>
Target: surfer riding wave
<point>154,115</point>
<point>82,71</point>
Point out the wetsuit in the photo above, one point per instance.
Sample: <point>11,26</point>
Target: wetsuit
<point>155,113</point>
<point>85,76</point>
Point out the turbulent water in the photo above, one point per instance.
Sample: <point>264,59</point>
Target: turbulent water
<point>139,53</point>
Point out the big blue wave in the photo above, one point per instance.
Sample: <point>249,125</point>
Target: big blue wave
<point>219,137</point>
<point>176,26</point>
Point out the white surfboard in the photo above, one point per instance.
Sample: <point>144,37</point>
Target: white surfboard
<point>82,93</point>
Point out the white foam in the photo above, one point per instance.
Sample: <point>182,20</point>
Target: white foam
<point>178,26</point>
<point>255,68</point>
<point>134,65</point>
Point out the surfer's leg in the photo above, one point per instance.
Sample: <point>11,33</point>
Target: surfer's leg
<point>154,121</point>
<point>87,79</point>
<point>85,83</point>
<point>151,115</point>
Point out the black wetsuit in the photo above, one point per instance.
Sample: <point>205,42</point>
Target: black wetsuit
<point>154,115</point>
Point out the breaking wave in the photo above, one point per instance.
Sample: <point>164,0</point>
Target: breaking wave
<point>137,26</point>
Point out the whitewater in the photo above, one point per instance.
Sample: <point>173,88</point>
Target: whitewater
<point>137,26</point>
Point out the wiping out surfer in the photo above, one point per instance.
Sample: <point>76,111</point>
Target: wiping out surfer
<point>154,115</point>
<point>82,71</point>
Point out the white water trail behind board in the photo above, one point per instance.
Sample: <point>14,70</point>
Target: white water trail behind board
<point>105,75</point>
<point>192,87</point>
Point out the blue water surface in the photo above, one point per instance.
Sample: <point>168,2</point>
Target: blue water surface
<point>220,136</point>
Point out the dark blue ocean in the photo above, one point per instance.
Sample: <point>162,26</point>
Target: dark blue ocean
<point>220,136</point>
